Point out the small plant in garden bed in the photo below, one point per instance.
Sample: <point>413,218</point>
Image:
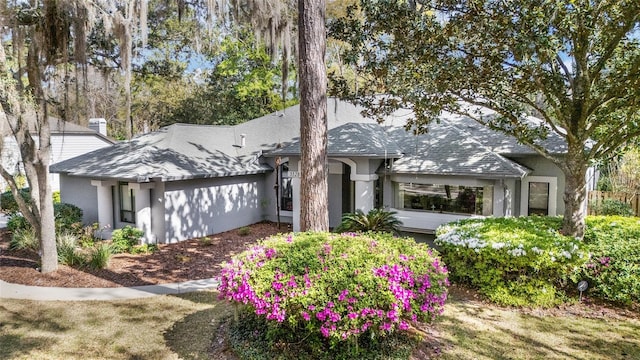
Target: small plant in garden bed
<point>513,261</point>
<point>206,241</point>
<point>244,231</point>
<point>123,240</point>
<point>375,220</point>
<point>331,289</point>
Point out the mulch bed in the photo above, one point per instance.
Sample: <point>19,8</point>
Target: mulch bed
<point>195,259</point>
<point>187,260</point>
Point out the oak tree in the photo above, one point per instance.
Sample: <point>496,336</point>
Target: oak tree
<point>575,65</point>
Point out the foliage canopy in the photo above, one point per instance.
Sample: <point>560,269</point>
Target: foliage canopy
<point>574,65</point>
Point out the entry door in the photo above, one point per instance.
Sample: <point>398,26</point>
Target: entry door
<point>538,198</point>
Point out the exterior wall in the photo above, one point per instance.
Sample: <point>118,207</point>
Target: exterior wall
<point>268,201</point>
<point>63,147</point>
<point>67,146</point>
<point>157,204</point>
<point>80,192</point>
<point>335,194</point>
<point>542,168</point>
<point>195,208</point>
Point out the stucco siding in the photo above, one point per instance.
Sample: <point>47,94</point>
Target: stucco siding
<point>63,147</point>
<point>80,192</point>
<point>545,168</point>
<point>335,198</point>
<point>196,208</point>
<point>68,146</point>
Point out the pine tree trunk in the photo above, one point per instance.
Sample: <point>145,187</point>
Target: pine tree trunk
<point>314,212</point>
<point>574,195</point>
<point>46,231</point>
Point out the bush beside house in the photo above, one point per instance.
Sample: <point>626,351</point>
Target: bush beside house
<point>526,261</point>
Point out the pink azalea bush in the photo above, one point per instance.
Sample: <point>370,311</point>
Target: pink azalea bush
<point>338,285</point>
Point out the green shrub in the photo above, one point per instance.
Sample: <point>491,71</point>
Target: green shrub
<point>613,207</point>
<point>513,261</point>
<point>24,239</point>
<point>144,249</point>
<point>123,240</point>
<point>329,289</point>
<point>17,222</point>
<point>68,253</point>
<point>613,271</point>
<point>100,256</point>
<point>378,220</point>
<point>244,231</point>
<point>67,217</point>
<point>8,203</point>
<point>56,197</point>
<point>249,340</point>
<point>206,241</point>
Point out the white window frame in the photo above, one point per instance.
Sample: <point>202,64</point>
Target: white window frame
<point>553,193</point>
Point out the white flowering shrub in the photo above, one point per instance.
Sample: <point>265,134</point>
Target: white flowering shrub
<point>513,261</point>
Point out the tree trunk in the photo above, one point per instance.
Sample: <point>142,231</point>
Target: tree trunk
<point>46,230</point>
<point>574,196</point>
<point>35,157</point>
<point>314,211</point>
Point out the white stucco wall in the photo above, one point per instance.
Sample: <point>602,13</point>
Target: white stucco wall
<point>80,192</point>
<point>543,168</point>
<point>196,208</point>
<point>63,147</point>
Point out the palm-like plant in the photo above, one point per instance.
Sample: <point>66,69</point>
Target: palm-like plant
<point>377,220</point>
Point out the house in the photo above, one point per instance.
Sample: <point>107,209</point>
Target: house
<point>68,140</point>
<point>186,181</point>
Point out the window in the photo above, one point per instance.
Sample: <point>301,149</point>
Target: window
<point>538,198</point>
<point>446,198</point>
<point>127,203</point>
<point>286,189</point>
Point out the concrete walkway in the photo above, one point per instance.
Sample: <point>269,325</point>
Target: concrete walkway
<point>16,291</point>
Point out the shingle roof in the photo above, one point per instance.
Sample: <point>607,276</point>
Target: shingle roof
<point>352,140</point>
<point>454,146</point>
<point>183,151</point>
<point>502,143</point>
<point>174,153</point>
<point>446,151</point>
<point>58,127</point>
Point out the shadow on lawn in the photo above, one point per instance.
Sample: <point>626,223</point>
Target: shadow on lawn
<point>203,334</point>
<point>14,343</point>
<point>505,334</point>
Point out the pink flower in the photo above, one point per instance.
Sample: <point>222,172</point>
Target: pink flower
<point>324,331</point>
<point>305,315</point>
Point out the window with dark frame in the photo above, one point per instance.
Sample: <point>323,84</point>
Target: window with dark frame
<point>286,189</point>
<point>456,199</point>
<point>127,203</point>
<point>538,203</point>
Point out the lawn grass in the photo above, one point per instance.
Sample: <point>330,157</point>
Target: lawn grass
<point>182,327</point>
